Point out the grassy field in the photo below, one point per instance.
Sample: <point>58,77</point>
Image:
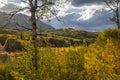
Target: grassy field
<point>97,61</point>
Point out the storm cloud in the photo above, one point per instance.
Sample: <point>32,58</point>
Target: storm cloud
<point>86,2</point>
<point>86,19</point>
<point>9,8</point>
<point>89,15</point>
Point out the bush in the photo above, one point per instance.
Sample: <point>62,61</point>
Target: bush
<point>12,45</point>
<point>57,42</point>
<point>103,58</point>
<point>4,75</point>
<point>3,39</point>
<point>113,34</point>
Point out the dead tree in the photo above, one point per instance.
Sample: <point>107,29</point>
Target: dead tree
<point>114,5</point>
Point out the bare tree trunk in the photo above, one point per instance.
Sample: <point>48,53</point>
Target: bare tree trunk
<point>117,16</point>
<point>34,37</point>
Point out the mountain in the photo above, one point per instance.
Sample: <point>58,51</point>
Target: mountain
<point>85,19</point>
<point>92,17</point>
<point>21,21</point>
<point>9,8</point>
<point>88,15</point>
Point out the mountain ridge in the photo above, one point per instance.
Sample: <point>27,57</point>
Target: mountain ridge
<point>21,21</point>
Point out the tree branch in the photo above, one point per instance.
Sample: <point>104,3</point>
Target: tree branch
<point>15,12</point>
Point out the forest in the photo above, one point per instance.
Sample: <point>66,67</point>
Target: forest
<point>42,52</point>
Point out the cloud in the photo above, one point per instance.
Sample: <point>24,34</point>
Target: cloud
<point>80,14</point>
<point>87,12</point>
<point>2,3</point>
<point>84,2</point>
<point>12,5</point>
<point>86,18</point>
<point>17,1</point>
<point>90,15</point>
<point>9,8</point>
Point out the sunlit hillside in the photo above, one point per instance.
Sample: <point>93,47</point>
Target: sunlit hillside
<point>98,61</point>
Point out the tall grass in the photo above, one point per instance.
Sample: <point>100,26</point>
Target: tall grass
<point>94,62</point>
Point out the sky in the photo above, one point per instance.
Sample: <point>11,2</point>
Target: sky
<point>90,15</point>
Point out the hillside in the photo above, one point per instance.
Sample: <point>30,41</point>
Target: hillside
<point>74,37</point>
<point>72,33</point>
<point>21,21</point>
<point>55,38</point>
<point>98,61</point>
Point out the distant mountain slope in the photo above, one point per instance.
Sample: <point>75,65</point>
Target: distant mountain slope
<point>21,21</point>
<point>80,19</point>
<point>55,38</point>
<point>72,35</point>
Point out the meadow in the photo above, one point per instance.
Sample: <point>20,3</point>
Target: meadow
<point>97,61</point>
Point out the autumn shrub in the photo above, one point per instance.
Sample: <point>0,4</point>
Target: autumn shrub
<point>57,42</point>
<point>12,45</point>
<point>103,63</point>
<point>42,42</point>
<point>75,64</point>
<point>4,75</point>
<point>2,69</point>
<point>54,64</point>
<point>108,34</point>
<point>3,38</point>
<point>99,61</point>
<point>21,67</point>
<point>4,57</point>
<point>102,59</point>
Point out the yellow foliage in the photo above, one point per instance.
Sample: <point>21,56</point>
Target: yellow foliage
<point>113,18</point>
<point>94,62</point>
<point>2,67</point>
